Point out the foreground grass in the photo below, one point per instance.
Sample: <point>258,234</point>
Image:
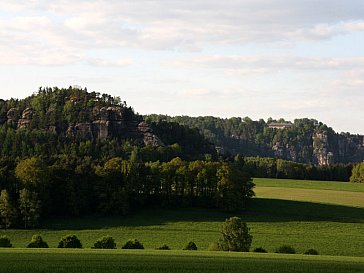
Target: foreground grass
<point>332,230</point>
<point>89,261</point>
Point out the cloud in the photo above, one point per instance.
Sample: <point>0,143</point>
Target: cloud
<point>246,65</point>
<point>31,28</point>
<point>104,62</point>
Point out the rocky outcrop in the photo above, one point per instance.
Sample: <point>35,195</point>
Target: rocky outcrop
<point>322,153</point>
<point>26,118</point>
<point>350,148</point>
<point>109,122</point>
<point>12,116</point>
<point>149,138</point>
<point>112,122</point>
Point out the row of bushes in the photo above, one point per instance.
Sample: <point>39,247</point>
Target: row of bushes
<point>105,242</point>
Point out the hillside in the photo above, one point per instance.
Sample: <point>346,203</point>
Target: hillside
<point>57,121</point>
<point>304,140</point>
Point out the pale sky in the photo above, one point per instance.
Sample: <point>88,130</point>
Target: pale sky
<point>256,58</point>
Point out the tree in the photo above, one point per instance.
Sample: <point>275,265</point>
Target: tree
<point>70,241</point>
<point>5,241</point>
<point>357,175</point>
<point>190,246</point>
<point>234,187</point>
<point>7,211</point>
<point>235,235</point>
<point>29,205</point>
<point>37,242</point>
<point>32,172</point>
<point>105,242</point>
<point>133,244</point>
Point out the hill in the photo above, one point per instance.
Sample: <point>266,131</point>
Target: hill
<point>304,140</point>
<point>57,121</point>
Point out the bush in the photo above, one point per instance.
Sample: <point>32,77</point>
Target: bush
<point>311,251</point>
<point>235,235</point>
<point>163,247</point>
<point>105,242</point>
<point>260,250</point>
<point>70,241</point>
<point>214,247</point>
<point>190,246</point>
<point>5,241</point>
<point>133,244</point>
<point>37,242</point>
<point>286,249</point>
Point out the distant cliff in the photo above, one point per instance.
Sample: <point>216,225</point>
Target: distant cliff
<point>77,115</point>
<point>304,140</point>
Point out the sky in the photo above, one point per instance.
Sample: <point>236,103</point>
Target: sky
<point>257,58</point>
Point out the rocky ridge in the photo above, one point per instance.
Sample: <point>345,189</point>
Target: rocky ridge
<point>106,123</point>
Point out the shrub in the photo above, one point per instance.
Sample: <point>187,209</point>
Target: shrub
<point>163,247</point>
<point>214,247</point>
<point>37,242</point>
<point>311,251</point>
<point>286,249</point>
<point>133,244</point>
<point>70,241</point>
<point>105,242</point>
<point>5,241</point>
<point>190,246</point>
<point>260,250</point>
<point>235,235</point>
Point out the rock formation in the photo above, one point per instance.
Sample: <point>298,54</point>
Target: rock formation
<point>26,118</point>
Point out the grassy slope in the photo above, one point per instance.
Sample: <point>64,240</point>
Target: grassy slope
<point>309,184</point>
<point>331,229</point>
<point>89,261</point>
<point>351,199</point>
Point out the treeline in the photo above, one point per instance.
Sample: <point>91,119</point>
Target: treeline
<point>277,168</point>
<point>33,189</point>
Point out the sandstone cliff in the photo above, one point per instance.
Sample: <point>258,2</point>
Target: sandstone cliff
<point>106,123</point>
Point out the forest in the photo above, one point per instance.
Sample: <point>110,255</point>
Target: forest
<point>74,152</point>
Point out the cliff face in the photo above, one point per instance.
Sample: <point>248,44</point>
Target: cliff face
<point>325,148</point>
<point>105,123</point>
<point>303,140</point>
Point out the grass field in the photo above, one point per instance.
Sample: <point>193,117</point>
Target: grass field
<point>332,229</point>
<point>309,184</point>
<point>106,261</point>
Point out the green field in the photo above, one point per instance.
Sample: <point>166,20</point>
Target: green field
<point>304,214</point>
<point>92,261</point>
<point>309,184</point>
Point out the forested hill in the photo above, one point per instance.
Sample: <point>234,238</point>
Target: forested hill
<point>79,123</point>
<point>304,140</point>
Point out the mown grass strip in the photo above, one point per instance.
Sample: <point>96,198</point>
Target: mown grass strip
<point>92,261</point>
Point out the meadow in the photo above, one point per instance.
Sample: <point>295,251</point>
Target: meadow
<point>100,261</point>
<point>279,214</point>
<point>309,184</point>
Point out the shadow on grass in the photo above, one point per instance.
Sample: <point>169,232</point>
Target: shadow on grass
<point>276,210</point>
<point>258,210</point>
